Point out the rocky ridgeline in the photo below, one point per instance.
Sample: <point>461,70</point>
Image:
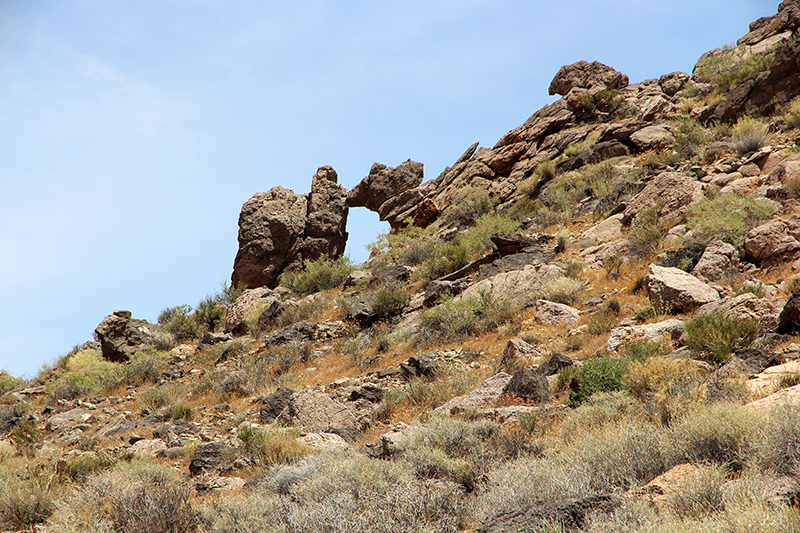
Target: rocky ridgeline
<point>601,118</point>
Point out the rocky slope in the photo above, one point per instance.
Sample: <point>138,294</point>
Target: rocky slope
<point>630,249</point>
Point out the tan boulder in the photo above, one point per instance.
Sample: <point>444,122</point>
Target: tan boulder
<point>672,289</point>
<point>718,259</point>
<point>775,240</point>
<point>671,192</point>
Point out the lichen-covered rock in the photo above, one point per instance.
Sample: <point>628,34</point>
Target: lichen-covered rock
<point>718,260</point>
<point>383,183</point>
<point>670,192</point>
<point>652,138</point>
<point>319,413</point>
<point>671,329</point>
<point>556,313</point>
<point>746,306</point>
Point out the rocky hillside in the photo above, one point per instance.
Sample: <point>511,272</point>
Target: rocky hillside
<point>592,325</point>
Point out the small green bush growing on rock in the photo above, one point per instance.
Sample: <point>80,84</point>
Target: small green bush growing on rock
<point>749,135</point>
<point>178,321</point>
<point>718,333</point>
<point>467,205</point>
<point>390,299</point>
<point>449,258</point>
<point>730,66</point>
<point>728,216</point>
<point>319,275</point>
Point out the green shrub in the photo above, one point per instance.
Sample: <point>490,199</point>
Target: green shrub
<point>9,382</point>
<point>477,238</point>
<point>81,374</point>
<point>319,275</point>
<point>144,366</point>
<point>179,322</point>
<point>646,237</point>
<point>80,468</point>
<point>728,217</point>
<point>545,170</point>
<point>448,258</point>
<point>467,205</point>
<point>731,66</point>
<point>209,314</point>
<point>749,135</point>
<point>390,299</point>
<point>666,387</point>
<point>602,374</point>
<point>718,333</point>
<point>26,501</point>
<point>601,178</point>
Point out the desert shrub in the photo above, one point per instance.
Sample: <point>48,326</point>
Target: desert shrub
<point>718,333</point>
<point>306,309</point>
<point>182,411</point>
<point>390,299</point>
<point>344,492</point>
<point>11,414</point>
<point>132,498</point>
<point>720,433</point>
<point>729,67</point>
<point>25,436</point>
<point>447,259</point>
<point>564,290</point>
<point>467,206</point>
<point>779,448</point>
<point>573,268</point>
<point>702,495</point>
<point>749,135</point>
<point>477,238</point>
<point>9,382</point>
<point>728,217</point>
<point>144,366</point>
<point>27,499</point>
<point>666,387</point>
<point>545,170</point>
<point>421,394</point>
<point>602,374</point>
<point>163,340</point>
<point>430,462</point>
<point>690,131</point>
<point>792,116</point>
<point>79,468</point>
<point>178,321</point>
<point>640,351</point>
<point>209,314</point>
<point>322,274</point>
<point>273,446</point>
<point>449,319</point>
<point>602,322</point>
<point>82,375</point>
<point>647,234</point>
<point>601,178</point>
<point>565,192</point>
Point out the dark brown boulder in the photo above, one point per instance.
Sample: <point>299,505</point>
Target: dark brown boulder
<point>789,319</point>
<point>327,216</point>
<point>528,385</point>
<point>787,19</point>
<point>121,336</point>
<point>585,75</point>
<point>271,234</point>
<point>383,183</point>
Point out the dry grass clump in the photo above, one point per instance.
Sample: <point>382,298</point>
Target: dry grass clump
<point>749,135</point>
<point>719,333</point>
<point>564,290</point>
<point>322,274</point>
<point>273,446</point>
<point>792,117</point>
<point>28,494</point>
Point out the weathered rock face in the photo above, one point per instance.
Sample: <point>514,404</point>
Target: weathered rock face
<point>327,216</point>
<point>392,193</point>
<point>485,395</point>
<point>585,75</point>
<point>671,329</point>
<point>787,19</point>
<point>652,138</point>
<point>775,240</point>
<point>271,230</point>
<point>121,336</point>
<point>515,287</point>
<point>674,290</point>
<point>278,229</point>
<point>248,301</point>
<point>556,313</point>
<point>529,385</point>
<point>718,259</point>
<point>319,413</point>
<point>746,306</point>
<point>670,192</point>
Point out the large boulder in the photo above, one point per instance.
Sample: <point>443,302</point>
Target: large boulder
<point>121,336</point>
<point>485,395</point>
<point>271,233</point>
<point>554,313</point>
<point>585,75</point>
<point>672,289</point>
<point>773,241</point>
<point>671,329</point>
<point>671,193</point>
<point>327,216</point>
<point>789,319</point>
<point>516,287</point>
<point>208,457</point>
<point>787,19</point>
<point>317,412</point>
<point>718,260</point>
<point>746,306</point>
<point>529,385</point>
<point>652,138</point>
<point>250,301</point>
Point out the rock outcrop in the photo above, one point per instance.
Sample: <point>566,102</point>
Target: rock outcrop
<point>121,336</point>
<point>673,290</point>
<point>279,229</point>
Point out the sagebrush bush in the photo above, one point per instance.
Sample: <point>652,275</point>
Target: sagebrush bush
<point>8,382</point>
<point>26,500</point>
<point>390,299</point>
<point>719,333</point>
<point>721,433</point>
<point>666,387</point>
<point>449,319</point>
<point>88,373</point>
<point>728,217</point>
<point>701,495</point>
<point>545,170</point>
<point>132,497</point>
<point>477,238</point>
<point>729,67</point>
<point>564,290</point>
<point>749,135</point>
<point>447,259</point>
<point>792,116</point>
<point>322,274</point>
<point>779,448</point>
<point>646,236</point>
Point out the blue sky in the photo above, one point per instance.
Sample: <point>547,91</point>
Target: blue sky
<point>135,131</point>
